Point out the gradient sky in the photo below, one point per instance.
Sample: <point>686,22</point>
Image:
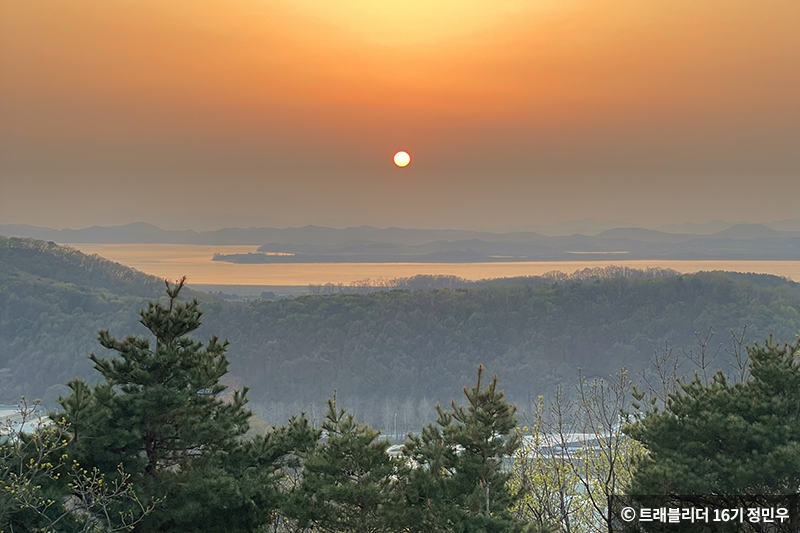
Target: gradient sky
<point>204,113</point>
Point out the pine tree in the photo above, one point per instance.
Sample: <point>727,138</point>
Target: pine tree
<point>460,482</point>
<point>159,413</point>
<point>43,489</point>
<point>350,484</point>
<point>728,445</point>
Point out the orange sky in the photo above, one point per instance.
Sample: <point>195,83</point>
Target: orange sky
<point>516,112</point>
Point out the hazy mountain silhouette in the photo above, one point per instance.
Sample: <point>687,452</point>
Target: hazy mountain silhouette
<point>370,244</point>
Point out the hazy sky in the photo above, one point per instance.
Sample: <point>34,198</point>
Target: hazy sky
<point>201,113</point>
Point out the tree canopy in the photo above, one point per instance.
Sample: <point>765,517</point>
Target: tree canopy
<point>160,414</point>
<point>460,482</point>
<point>728,443</point>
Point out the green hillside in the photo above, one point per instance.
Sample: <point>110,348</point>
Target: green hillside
<point>53,300</point>
<point>390,352</point>
<point>406,345</point>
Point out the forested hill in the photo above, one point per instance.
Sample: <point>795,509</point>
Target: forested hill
<point>36,261</point>
<point>53,300</point>
<point>385,352</point>
<point>410,344</point>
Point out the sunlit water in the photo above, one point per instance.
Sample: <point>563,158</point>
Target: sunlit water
<point>172,261</point>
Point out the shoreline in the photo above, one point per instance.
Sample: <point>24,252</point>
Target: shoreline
<point>195,262</point>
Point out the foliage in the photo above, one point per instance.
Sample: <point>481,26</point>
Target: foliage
<point>28,462</point>
<point>349,482</point>
<point>575,461</point>
<point>41,491</point>
<point>49,260</point>
<point>544,476</point>
<point>606,462</point>
<point>459,483</point>
<point>159,413</point>
<point>161,426</point>
<point>399,345</point>
<point>727,444</point>
<point>407,349</point>
<point>53,299</point>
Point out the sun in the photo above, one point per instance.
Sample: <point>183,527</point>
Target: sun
<point>402,159</point>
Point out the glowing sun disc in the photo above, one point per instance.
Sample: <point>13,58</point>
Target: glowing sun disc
<point>402,159</point>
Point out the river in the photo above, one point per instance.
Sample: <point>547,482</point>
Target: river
<point>172,261</point>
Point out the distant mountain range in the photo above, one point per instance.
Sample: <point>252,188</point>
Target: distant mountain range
<point>315,244</point>
<point>143,233</point>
